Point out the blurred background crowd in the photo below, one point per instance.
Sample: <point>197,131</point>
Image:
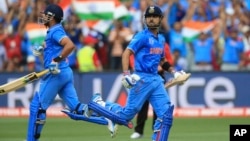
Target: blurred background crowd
<point>203,35</point>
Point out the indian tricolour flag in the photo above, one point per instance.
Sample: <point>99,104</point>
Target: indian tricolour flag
<point>36,33</point>
<point>191,29</point>
<point>99,14</point>
<point>101,26</point>
<point>95,9</point>
<point>100,9</point>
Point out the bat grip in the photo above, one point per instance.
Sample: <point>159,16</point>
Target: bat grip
<point>42,73</point>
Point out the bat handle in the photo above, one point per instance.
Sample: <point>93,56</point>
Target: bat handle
<point>42,73</point>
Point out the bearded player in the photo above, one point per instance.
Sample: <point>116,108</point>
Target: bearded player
<point>145,84</point>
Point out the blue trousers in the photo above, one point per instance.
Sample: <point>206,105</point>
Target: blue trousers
<point>50,86</point>
<point>151,88</point>
<point>61,84</point>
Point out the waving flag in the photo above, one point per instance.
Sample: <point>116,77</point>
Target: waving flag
<point>36,33</point>
<point>94,9</point>
<point>99,14</point>
<point>99,9</point>
<point>100,25</point>
<point>191,29</point>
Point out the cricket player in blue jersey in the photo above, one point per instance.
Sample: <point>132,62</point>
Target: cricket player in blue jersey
<point>145,83</point>
<point>60,79</point>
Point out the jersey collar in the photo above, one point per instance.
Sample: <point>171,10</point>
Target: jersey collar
<point>54,26</point>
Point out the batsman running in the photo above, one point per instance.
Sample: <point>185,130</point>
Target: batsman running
<point>147,47</point>
<point>60,79</point>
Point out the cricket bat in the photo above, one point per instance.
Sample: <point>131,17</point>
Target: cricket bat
<point>21,82</point>
<point>177,81</point>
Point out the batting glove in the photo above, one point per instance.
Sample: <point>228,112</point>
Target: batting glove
<point>129,81</point>
<point>53,67</point>
<point>178,73</point>
<point>37,50</point>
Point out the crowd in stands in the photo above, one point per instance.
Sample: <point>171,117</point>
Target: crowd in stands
<point>224,47</point>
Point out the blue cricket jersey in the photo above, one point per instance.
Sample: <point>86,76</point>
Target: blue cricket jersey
<point>177,43</point>
<point>232,51</point>
<point>53,48</point>
<point>203,50</point>
<point>148,51</point>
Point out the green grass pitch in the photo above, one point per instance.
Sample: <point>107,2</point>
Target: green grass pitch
<point>65,129</point>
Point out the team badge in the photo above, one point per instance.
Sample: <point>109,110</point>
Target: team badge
<point>151,9</point>
<point>151,41</point>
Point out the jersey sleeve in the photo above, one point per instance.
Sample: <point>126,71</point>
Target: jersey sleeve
<point>58,35</point>
<point>136,43</point>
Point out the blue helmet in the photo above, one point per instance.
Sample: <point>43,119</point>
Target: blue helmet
<point>55,11</point>
<point>153,10</point>
<point>52,11</point>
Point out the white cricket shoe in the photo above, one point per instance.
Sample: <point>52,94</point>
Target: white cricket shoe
<point>113,127</point>
<point>97,98</point>
<point>136,135</point>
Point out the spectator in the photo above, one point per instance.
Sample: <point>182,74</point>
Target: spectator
<point>137,20</point>
<point>177,63</point>
<point>232,52</point>
<point>12,45</point>
<point>118,38</point>
<point>246,60</point>
<point>3,58</point>
<point>233,13</point>
<point>3,55</point>
<point>245,29</point>
<point>102,48</point>
<point>75,34</point>
<point>199,11</point>
<point>87,57</point>
<point>177,43</point>
<point>214,6</point>
<point>202,48</point>
<point>30,62</point>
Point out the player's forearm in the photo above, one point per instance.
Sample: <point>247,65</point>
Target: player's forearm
<point>125,60</point>
<point>68,47</point>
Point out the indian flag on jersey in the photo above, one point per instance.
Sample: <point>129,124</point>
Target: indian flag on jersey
<point>36,33</point>
<point>191,29</point>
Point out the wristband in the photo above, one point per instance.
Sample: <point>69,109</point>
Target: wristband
<point>166,66</point>
<point>58,58</point>
<point>127,72</point>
